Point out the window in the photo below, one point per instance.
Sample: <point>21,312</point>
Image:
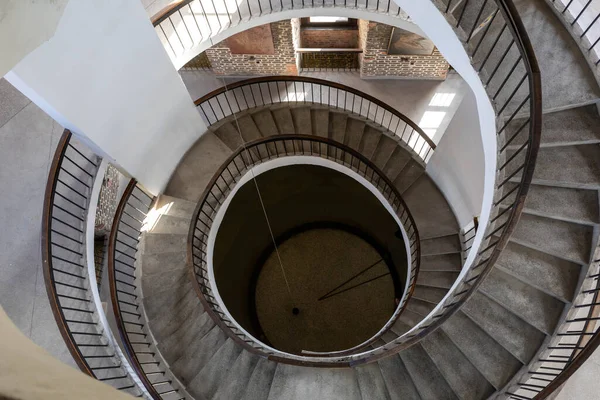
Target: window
<point>329,23</point>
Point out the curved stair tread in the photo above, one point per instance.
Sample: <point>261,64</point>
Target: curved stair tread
<point>492,360</point>
<point>301,383</point>
<point>371,382</point>
<point>198,325</point>
<point>410,174</point>
<point>284,120</point>
<point>259,384</point>
<point>397,380</point>
<point>320,122</point>
<point>426,377</point>
<point>466,381</point>
<point>337,126</point>
<point>237,380</point>
<point>441,262</point>
<point>302,120</point>
<point>396,163</point>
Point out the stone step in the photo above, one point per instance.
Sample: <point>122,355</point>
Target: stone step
<point>156,243</point>
<point>300,383</point>
<point>385,148</point>
<point>175,207</point>
<point>409,318</point>
<point>513,333</point>
<point>320,122</point>
<point>396,163</point>
<point>169,277</point>
<point>567,204</point>
<point>426,377</point>
<point>438,279</point>
<point>284,120</point>
<point>174,314</point>
<point>491,359</point>
<point>554,276</point>
<point>441,262</point>
<point>248,128</point>
<point>337,126</point>
<point>369,142</point>
<point>354,133</point>
<point>302,120</point>
<point>153,303</point>
<point>465,380</point>
<point>442,245</point>
<point>371,383</point>
<point>211,377</point>
<point>194,328</point>
<point>579,166</point>
<point>265,123</point>
<point>429,294</point>
<point>235,383</point>
<point>259,385</point>
<point>429,208</point>
<point>419,306</point>
<point>168,224</point>
<point>411,172</point>
<point>397,379</point>
<point>534,306</point>
<point>563,239</point>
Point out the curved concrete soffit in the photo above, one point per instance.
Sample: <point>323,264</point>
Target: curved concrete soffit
<point>282,162</point>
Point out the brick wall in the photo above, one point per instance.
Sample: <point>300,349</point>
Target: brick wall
<point>374,39</point>
<point>283,62</point>
<point>327,39</point>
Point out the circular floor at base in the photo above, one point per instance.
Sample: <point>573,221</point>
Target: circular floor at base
<point>315,263</point>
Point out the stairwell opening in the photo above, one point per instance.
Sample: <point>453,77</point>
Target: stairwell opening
<point>344,263</point>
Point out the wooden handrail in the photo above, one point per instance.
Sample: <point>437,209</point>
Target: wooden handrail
<point>46,239</point>
<point>380,177</point>
<point>129,350</point>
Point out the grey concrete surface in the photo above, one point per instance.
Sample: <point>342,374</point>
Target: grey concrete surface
<point>28,138</point>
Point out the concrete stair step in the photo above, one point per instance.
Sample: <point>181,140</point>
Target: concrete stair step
<point>197,167</point>
<point>236,381</point>
<point>193,328</point>
<point>426,377</point>
<point>419,306</point>
<point>248,128</point>
<point>429,294</point>
<point>300,383</point>
<point>449,244</point>
<point>385,148</point>
<point>354,133</point>
<point>167,280</point>
<point>229,135</point>
<point>465,380</point>
<point>302,120</point>
<point>153,303</point>
<point>536,307</point>
<point>168,224</point>
<point>429,208</point>
<point>337,126</point>
<point>438,279</point>
<point>197,356</point>
<point>160,263</point>
<point>514,334</point>
<point>371,383</point>
<point>574,205</point>
<point>397,379</point>
<point>554,276</point>
<point>571,126</point>
<point>563,239</point>
<point>409,318</point>
<point>441,262</point>
<point>265,123</point>
<point>259,385</point>
<point>399,328</point>
<point>320,122</point>
<point>175,207</point>
<point>173,315</point>
<point>397,161</point>
<point>579,166</point>
<point>411,172</point>
<point>212,375</point>
<point>155,243</point>
<point>369,141</point>
<point>491,359</point>
<point>284,120</point>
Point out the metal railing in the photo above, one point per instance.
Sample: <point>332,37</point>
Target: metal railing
<point>260,92</point>
<point>320,60</point>
<point>222,185</point>
<point>186,24</point>
<point>67,276</point>
<point>124,278</point>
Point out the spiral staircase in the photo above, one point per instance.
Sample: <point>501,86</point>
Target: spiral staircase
<point>515,321</point>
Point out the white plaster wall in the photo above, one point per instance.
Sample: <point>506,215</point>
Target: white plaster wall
<point>24,25</point>
<point>457,166</point>
<point>105,76</point>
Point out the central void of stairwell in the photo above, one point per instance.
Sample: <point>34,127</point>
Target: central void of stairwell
<point>336,274</point>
